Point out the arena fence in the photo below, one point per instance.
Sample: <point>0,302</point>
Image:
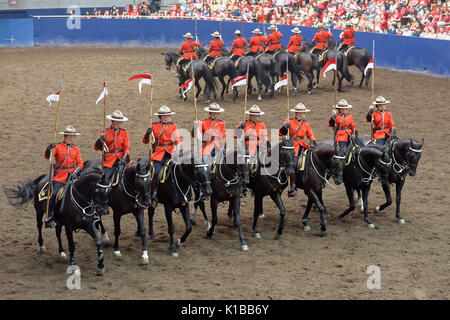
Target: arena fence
<point>393,52</point>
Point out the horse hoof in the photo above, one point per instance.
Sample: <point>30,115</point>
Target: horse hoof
<point>371,226</point>
<point>144,257</point>
<point>306,228</point>
<point>208,225</point>
<point>309,92</point>
<point>377,208</point>
<point>262,215</point>
<point>174,254</point>
<point>401,221</point>
<point>322,233</point>
<point>101,271</point>
<point>117,254</point>
<point>361,209</point>
<point>178,243</point>
<point>193,222</point>
<point>258,235</point>
<point>62,255</point>
<point>244,247</point>
<point>259,98</point>
<point>105,238</point>
<point>41,249</point>
<point>277,236</point>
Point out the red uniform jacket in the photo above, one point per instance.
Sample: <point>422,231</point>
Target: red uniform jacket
<point>118,144</point>
<point>255,133</point>
<point>238,47</point>
<point>257,43</point>
<point>295,43</point>
<point>321,38</point>
<point>345,125</point>
<point>187,49</point>
<point>67,158</point>
<point>382,123</point>
<point>273,40</point>
<point>348,36</point>
<point>298,129</point>
<point>213,134</point>
<point>215,48</point>
<point>166,138</point>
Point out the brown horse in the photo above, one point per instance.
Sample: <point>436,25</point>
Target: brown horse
<point>359,57</point>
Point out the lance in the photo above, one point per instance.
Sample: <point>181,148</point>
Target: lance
<point>104,119</point>
<point>196,38</point>
<point>335,101</point>
<point>287,91</point>
<point>50,174</point>
<point>246,89</point>
<point>373,88</point>
<point>197,136</point>
<point>151,118</point>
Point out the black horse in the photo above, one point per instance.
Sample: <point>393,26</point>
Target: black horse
<point>181,176</point>
<point>405,154</point>
<point>308,63</point>
<point>84,201</point>
<point>131,194</point>
<point>265,181</point>
<point>229,171</point>
<point>223,67</point>
<point>287,62</point>
<point>272,67</point>
<point>322,163</point>
<point>201,70</point>
<point>254,70</point>
<point>359,57</point>
<point>366,164</point>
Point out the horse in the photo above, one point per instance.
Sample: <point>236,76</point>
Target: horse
<point>223,67</point>
<point>131,194</point>
<point>306,60</point>
<point>360,58</point>
<point>321,163</point>
<point>254,70</point>
<point>226,181</point>
<point>405,154</point>
<point>287,62</point>
<point>181,176</point>
<point>264,183</point>
<point>84,201</point>
<point>271,66</point>
<point>331,53</point>
<point>365,165</point>
<point>201,70</point>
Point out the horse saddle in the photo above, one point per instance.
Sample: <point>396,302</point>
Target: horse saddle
<point>43,194</point>
<point>162,175</point>
<point>236,63</point>
<point>301,164</point>
<point>348,49</point>
<point>296,53</point>
<point>212,62</point>
<point>186,67</point>
<point>322,55</point>
<point>277,52</point>
<point>350,155</point>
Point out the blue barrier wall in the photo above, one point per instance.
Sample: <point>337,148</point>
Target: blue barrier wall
<point>394,52</point>
<point>16,32</point>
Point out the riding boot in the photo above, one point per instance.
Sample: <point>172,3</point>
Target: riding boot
<point>49,223</point>
<point>154,196</point>
<point>292,178</point>
<point>243,190</point>
<point>178,74</point>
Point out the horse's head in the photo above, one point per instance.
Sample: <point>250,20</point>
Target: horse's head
<point>142,183</point>
<point>332,43</point>
<point>202,176</point>
<point>339,158</point>
<point>413,155</point>
<point>286,154</point>
<point>101,195</point>
<point>383,163</point>
<point>242,161</point>
<point>168,58</point>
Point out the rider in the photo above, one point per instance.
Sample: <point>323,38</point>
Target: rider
<point>383,124</point>
<point>256,43</point>
<point>68,161</point>
<point>115,142</point>
<point>213,131</point>
<point>298,128</point>
<point>165,139</point>
<point>321,38</point>
<point>347,37</point>
<point>187,50</point>
<point>344,124</point>
<point>273,40</point>
<point>238,47</point>
<point>295,43</point>
<point>215,47</point>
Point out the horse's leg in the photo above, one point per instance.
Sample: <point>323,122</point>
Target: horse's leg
<point>365,194</point>
<point>294,83</point>
<point>69,234</point>
<point>187,222</point>
<point>276,198</point>
<point>228,85</point>
<point>362,79</point>
<point>205,217</point>
<point>116,218</point>
<point>139,215</point>
<point>314,197</point>
<point>39,216</point>
<point>321,201</point>
<point>170,230</point>
<point>305,223</point>
<point>214,204</point>
<point>93,232</point>
<point>340,77</point>
<point>230,212</point>
<point>398,198</point>
<point>223,87</point>
<point>101,227</point>
<point>258,209</point>
<point>236,203</point>
<point>151,232</point>
<point>387,193</point>
<point>58,230</point>
<point>351,201</point>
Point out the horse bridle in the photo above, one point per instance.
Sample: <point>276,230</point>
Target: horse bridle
<point>323,166</point>
<point>373,173</point>
<point>404,165</point>
<point>135,197</point>
<point>190,182</point>
<point>91,203</point>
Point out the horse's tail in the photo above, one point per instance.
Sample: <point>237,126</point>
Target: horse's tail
<point>367,58</point>
<point>211,83</point>
<point>261,75</point>
<point>294,67</point>
<point>232,70</point>
<point>23,193</point>
<point>345,71</point>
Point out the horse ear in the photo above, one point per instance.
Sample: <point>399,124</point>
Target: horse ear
<point>138,167</point>
<point>421,142</point>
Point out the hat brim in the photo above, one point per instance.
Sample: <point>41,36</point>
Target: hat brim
<point>187,36</point>
<point>164,114</point>
<point>379,103</point>
<point>216,111</point>
<point>70,133</point>
<point>295,31</point>
<point>115,119</point>
<point>293,110</point>
<point>343,107</point>
<point>255,114</point>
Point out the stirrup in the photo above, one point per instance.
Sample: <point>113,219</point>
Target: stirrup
<point>291,191</point>
<point>49,223</point>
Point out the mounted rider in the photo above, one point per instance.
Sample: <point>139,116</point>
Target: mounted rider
<point>273,40</point>
<point>347,37</point>
<point>254,130</point>
<point>215,47</point>
<point>187,50</point>
<point>383,124</point>
<point>295,42</point>
<point>321,37</point>
<point>68,162</point>
<point>238,46</point>
<point>116,143</point>
<point>256,44</point>
<point>298,127</point>
<point>344,124</point>
<point>165,141</point>
<point>213,131</point>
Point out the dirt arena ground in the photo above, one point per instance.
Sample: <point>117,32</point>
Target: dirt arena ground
<point>414,258</point>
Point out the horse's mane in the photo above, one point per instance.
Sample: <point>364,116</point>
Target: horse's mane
<point>91,170</point>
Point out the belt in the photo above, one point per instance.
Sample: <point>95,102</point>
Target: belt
<point>298,139</point>
<point>164,144</point>
<point>63,168</point>
<point>381,128</point>
<point>115,151</point>
<point>274,43</point>
<point>342,128</point>
<point>188,51</point>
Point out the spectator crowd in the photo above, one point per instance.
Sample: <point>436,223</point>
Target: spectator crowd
<point>423,18</point>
